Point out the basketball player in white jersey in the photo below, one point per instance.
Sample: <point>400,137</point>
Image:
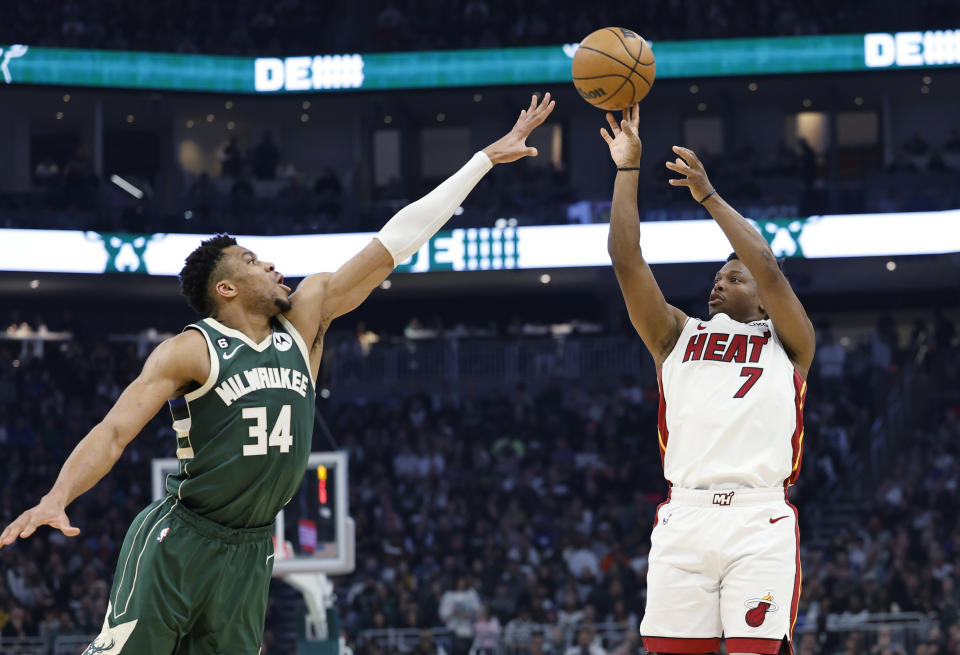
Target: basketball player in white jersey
<point>724,557</point>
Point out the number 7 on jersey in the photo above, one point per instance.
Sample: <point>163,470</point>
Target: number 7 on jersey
<point>752,373</point>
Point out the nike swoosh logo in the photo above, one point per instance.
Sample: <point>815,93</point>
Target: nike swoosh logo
<point>701,326</point>
<point>774,520</point>
<point>226,356</point>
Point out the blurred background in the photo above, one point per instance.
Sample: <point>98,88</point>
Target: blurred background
<point>500,424</point>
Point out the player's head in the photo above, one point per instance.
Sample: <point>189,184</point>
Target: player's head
<point>735,292</point>
<point>220,271</point>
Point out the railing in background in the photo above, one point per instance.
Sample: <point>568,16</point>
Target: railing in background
<point>62,645</point>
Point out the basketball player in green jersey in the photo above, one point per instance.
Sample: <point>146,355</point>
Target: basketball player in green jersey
<point>195,566</point>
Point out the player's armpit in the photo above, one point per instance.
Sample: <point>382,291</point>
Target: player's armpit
<point>175,366</point>
<point>656,321</point>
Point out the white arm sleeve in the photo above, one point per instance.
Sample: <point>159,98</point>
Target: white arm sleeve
<point>413,225</point>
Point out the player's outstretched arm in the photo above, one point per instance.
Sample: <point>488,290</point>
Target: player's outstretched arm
<point>321,298</point>
<point>657,322</point>
<point>781,303</point>
<point>168,371</point>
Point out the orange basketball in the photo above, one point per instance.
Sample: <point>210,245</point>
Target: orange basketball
<point>613,68</point>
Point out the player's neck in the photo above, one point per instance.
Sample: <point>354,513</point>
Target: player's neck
<point>747,318</point>
<point>254,326</point>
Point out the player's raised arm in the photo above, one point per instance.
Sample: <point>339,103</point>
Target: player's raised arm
<point>321,298</point>
<point>168,371</point>
<point>779,301</point>
<point>657,322</point>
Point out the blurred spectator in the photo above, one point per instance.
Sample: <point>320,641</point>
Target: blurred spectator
<point>232,162</point>
<point>328,192</point>
<point>264,158</point>
<point>202,197</point>
<point>459,610</point>
<point>47,174</point>
<point>586,644</point>
<point>487,631</point>
<point>952,144</point>
<point>80,180</point>
<point>520,630</point>
<point>916,145</point>
<point>427,645</point>
<point>831,358</point>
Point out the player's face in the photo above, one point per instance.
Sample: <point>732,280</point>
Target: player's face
<point>258,282</point>
<point>735,293</point>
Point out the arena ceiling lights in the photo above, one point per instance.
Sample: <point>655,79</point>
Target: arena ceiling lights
<point>23,64</point>
<point>481,249</point>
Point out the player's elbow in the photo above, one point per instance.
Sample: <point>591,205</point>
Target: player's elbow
<point>624,257</point>
<point>623,250</point>
<point>111,438</point>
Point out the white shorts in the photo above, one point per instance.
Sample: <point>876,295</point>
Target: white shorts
<point>722,563</point>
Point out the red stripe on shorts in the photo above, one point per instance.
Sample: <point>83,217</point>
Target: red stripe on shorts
<point>753,645</point>
<point>798,576</point>
<point>684,646</point>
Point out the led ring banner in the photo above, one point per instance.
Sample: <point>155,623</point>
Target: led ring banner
<point>24,64</point>
<point>483,249</point>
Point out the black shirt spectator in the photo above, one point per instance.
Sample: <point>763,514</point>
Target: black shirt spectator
<point>264,158</point>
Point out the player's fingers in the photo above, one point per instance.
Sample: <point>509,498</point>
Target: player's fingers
<point>678,168</point>
<point>532,152</point>
<point>30,528</point>
<point>688,155</point>
<point>674,181</point>
<point>7,536</point>
<point>606,135</point>
<point>533,102</point>
<point>628,128</point>
<point>635,115</point>
<point>66,528</point>
<point>542,112</point>
<point>545,101</point>
<point>612,122</point>
<point>10,533</point>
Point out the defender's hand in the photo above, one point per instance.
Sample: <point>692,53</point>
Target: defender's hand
<point>625,145</point>
<point>689,165</point>
<point>46,512</point>
<point>513,146</point>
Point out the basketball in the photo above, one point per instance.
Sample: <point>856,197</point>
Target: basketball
<point>613,68</point>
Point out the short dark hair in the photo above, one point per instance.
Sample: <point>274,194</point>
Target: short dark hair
<point>197,270</point>
<point>780,260</point>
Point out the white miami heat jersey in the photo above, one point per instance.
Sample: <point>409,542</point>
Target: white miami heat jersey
<point>731,407</point>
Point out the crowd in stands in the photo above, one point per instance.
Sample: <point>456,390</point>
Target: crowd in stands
<point>296,27</point>
<point>523,517</point>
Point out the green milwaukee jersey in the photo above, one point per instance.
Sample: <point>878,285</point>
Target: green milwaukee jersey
<point>244,437</point>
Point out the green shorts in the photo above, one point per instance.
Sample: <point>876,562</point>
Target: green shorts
<point>185,585</point>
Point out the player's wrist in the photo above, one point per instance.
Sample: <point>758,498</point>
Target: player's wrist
<point>54,499</point>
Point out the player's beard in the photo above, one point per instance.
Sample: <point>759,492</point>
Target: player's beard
<point>283,304</point>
